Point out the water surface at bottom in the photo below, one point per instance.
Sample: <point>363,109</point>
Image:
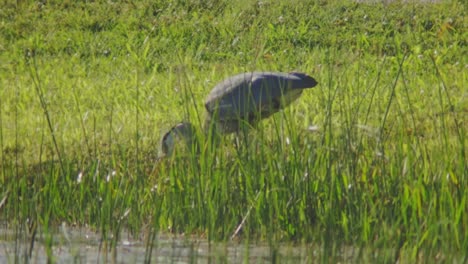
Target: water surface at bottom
<point>80,245</point>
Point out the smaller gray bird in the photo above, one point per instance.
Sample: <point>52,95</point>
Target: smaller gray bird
<point>245,98</point>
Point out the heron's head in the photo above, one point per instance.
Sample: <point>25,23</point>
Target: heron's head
<point>180,136</point>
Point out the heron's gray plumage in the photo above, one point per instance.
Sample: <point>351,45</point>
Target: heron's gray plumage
<point>183,132</point>
<point>246,97</point>
<point>253,96</point>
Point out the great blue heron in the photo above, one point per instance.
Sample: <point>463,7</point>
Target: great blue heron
<point>243,99</point>
<point>180,134</point>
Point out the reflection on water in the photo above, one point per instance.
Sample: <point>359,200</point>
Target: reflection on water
<point>83,246</point>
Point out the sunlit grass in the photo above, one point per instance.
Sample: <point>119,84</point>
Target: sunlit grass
<point>88,90</point>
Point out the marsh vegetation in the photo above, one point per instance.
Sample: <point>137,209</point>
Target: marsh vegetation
<point>374,158</point>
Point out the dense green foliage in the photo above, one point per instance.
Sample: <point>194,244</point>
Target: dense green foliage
<point>87,89</point>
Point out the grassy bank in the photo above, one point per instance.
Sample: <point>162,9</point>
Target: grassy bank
<point>88,89</point>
